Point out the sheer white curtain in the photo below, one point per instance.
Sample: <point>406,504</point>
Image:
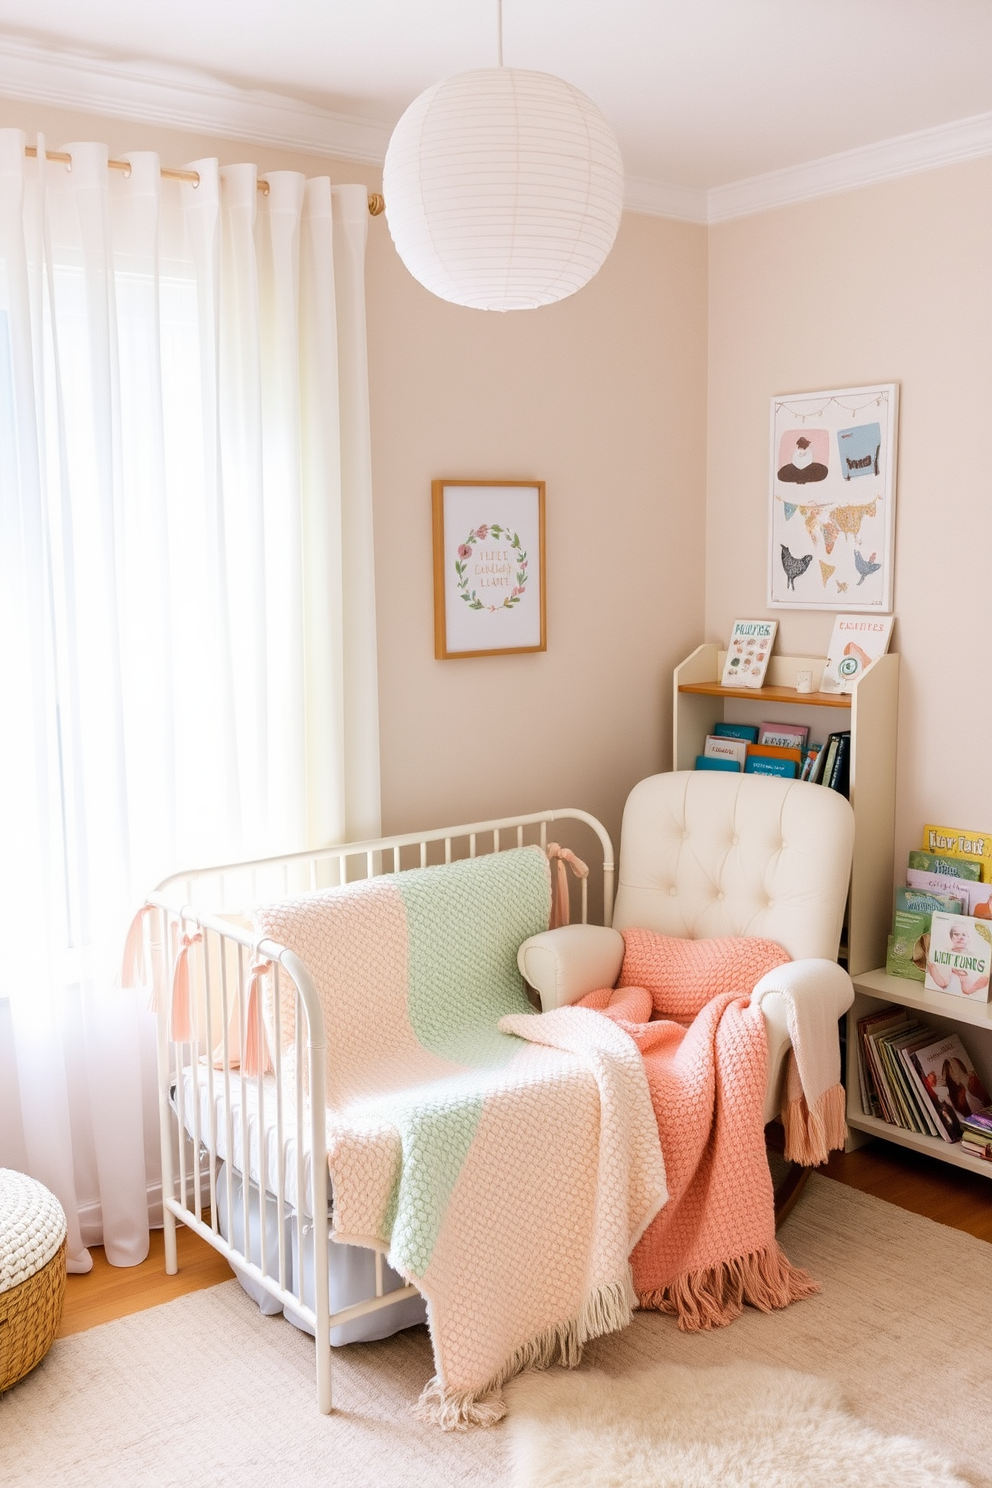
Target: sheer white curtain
<point>187,632</point>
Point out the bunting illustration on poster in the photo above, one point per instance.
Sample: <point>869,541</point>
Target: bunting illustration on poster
<point>831,523</point>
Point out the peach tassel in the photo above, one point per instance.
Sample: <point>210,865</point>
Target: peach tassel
<point>715,1296</point>
<point>133,966</point>
<point>257,1058</point>
<point>560,910</point>
<point>181,1020</point>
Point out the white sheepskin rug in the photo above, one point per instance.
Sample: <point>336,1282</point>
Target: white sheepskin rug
<point>743,1426</point>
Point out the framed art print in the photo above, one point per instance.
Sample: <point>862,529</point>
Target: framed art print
<point>831,522</point>
<point>488,568</point>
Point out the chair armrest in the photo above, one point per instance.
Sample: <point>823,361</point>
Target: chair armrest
<point>818,983</point>
<point>825,992</point>
<point>563,965</point>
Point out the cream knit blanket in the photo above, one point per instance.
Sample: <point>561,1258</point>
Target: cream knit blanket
<point>507,1180</point>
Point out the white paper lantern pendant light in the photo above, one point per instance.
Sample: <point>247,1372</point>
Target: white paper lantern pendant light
<point>503,188</point>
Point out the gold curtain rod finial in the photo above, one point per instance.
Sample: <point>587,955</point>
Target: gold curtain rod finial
<point>377,204</point>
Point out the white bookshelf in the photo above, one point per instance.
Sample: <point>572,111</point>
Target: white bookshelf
<point>869,712</point>
<point>971,1020</point>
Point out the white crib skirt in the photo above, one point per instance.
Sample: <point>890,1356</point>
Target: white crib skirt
<point>351,1268</point>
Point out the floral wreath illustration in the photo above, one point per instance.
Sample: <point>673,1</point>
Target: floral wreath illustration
<point>480,534</point>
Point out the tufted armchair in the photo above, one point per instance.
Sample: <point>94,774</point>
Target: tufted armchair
<point>706,854</point>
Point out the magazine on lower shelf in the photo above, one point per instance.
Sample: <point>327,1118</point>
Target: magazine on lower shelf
<point>954,1086</point>
<point>976,1130</point>
<point>925,1082</point>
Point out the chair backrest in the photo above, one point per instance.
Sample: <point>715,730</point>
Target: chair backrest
<point>706,853</point>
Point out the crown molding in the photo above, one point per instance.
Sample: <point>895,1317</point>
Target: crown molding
<point>660,199</point>
<point>154,93</point>
<point>907,155</point>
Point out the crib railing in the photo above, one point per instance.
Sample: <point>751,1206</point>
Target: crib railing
<point>199,921</point>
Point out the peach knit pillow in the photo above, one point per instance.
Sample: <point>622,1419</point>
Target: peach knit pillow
<point>682,975</point>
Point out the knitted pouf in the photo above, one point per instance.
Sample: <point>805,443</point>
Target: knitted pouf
<point>32,1273</point>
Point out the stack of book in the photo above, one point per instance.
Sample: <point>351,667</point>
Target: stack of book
<point>976,1134</point>
<point>913,1077</point>
<point>942,925</point>
<point>768,749</point>
<point>779,749</point>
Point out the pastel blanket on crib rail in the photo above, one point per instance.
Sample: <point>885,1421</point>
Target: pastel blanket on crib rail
<point>506,1179</point>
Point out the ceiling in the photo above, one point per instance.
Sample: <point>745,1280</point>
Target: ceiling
<point>702,93</point>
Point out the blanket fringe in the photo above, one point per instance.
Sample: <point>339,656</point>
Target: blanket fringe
<point>605,1310</point>
<point>812,1134</point>
<point>715,1296</point>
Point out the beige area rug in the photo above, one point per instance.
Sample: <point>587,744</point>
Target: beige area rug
<point>739,1426</point>
<point>205,1390</point>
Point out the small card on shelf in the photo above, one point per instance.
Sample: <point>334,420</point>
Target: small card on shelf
<point>750,647</point>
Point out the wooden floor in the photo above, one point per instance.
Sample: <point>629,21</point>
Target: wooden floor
<point>913,1181</point>
<point>109,1292</point>
<point>919,1183</point>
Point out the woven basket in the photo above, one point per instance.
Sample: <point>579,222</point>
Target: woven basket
<point>32,1273</point>
<point>29,1319</point>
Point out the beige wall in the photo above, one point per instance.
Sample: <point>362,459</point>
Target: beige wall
<point>604,398</point>
<point>890,283</point>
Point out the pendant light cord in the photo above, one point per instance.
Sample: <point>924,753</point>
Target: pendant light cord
<point>499,33</point>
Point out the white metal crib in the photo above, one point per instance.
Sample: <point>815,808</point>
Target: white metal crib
<point>271,1129</point>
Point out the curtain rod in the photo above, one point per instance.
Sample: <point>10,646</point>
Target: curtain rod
<point>377,204</point>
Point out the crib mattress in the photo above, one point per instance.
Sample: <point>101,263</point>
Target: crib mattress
<point>267,1148</point>
<point>351,1269</point>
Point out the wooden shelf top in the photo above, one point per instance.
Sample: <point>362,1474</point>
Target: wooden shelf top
<point>915,995</point>
<point>770,694</point>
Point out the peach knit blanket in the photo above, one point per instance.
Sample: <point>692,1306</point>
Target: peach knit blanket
<point>712,1248</point>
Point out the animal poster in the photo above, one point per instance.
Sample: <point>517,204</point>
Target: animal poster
<point>831,523</point>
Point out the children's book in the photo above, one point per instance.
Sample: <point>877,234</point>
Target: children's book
<point>871,1094</point>
<point>833,763</point>
<point>952,1083</point>
<point>958,843</point>
<point>925,901</point>
<point>762,764</point>
<point>809,761</point>
<point>776,751</point>
<point>707,762</point>
<point>857,642</point>
<point>746,731</point>
<point>824,761</point>
<point>907,1048</point>
<point>959,960</point>
<point>888,1020</point>
<point>750,647</point>
<point>909,1108</point>
<point>906,954</point>
<point>839,776</point>
<point>976,897</point>
<point>951,865</point>
<point>786,735</point>
<point>717,747</point>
